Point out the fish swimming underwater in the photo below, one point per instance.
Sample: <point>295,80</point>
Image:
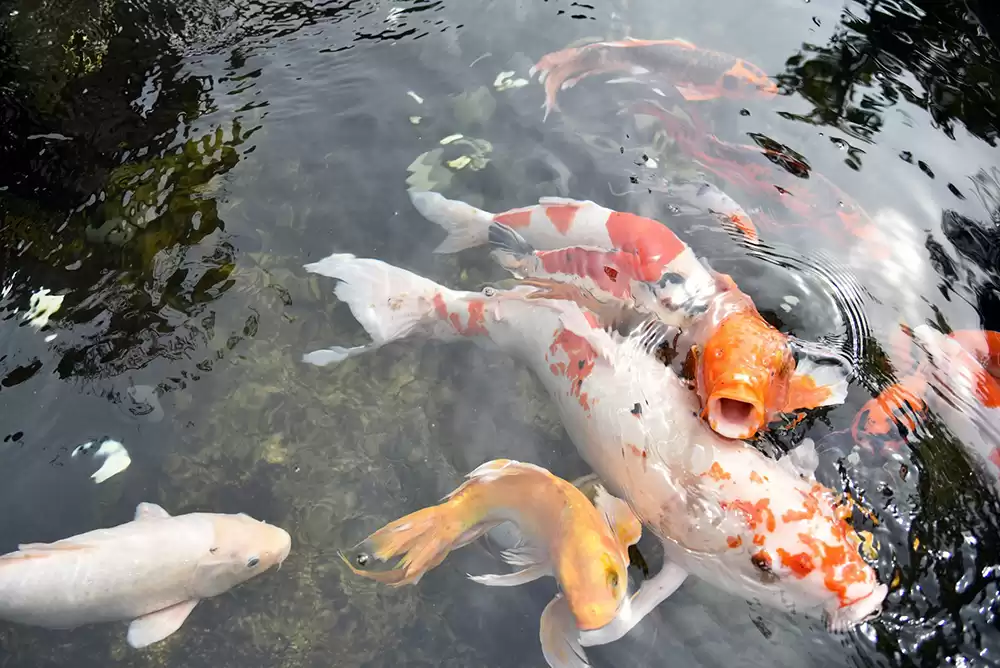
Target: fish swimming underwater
<point>959,378</point>
<point>746,372</point>
<point>151,571</point>
<point>583,545</point>
<point>695,73</point>
<point>801,196</point>
<point>755,527</point>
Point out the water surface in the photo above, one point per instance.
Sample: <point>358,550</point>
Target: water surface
<point>169,167</point>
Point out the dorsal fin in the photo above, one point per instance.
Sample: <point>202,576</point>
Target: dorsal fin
<point>147,511</point>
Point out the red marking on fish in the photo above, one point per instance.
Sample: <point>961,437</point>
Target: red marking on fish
<point>841,567</point>
<point>995,457</point>
<point>759,539</point>
<point>734,541</point>
<point>581,362</point>
<point>652,241</point>
<point>591,264</point>
<point>515,217</point>
<point>611,272</point>
<point>475,312</point>
<point>562,216</point>
<point>477,318</point>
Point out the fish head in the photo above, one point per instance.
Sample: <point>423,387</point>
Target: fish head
<point>790,544</point>
<point>593,577</point>
<point>746,79</point>
<point>242,548</point>
<point>744,369</point>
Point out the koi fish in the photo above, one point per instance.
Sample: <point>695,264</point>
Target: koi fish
<point>746,371</point>
<point>696,73</point>
<point>151,571</point>
<point>959,378</point>
<point>815,202</point>
<point>583,545</point>
<point>755,527</point>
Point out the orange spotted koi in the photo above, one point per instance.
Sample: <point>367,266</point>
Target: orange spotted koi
<point>623,266</point>
<point>755,527</point>
<point>695,73</point>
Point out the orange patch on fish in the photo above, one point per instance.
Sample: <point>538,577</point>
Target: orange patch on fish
<point>475,320</point>
<point>734,541</point>
<point>801,564</point>
<point>717,473</point>
<point>759,539</point>
<point>841,567</point>
<point>758,513</point>
<point>810,508</point>
<point>755,477</point>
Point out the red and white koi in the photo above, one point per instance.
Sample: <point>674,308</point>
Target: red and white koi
<point>695,73</point>
<point>746,372</point>
<point>755,527</point>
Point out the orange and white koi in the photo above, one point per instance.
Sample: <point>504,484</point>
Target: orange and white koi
<point>583,545</point>
<point>959,378</point>
<point>756,527</point>
<point>746,372</point>
<point>696,73</point>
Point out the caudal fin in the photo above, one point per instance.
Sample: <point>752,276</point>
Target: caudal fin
<point>402,551</point>
<point>466,225</point>
<point>389,302</point>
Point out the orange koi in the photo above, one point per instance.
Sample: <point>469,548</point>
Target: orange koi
<point>583,545</point>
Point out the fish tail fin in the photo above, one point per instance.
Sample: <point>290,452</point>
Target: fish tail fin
<point>509,249</point>
<point>466,225</point>
<point>401,552</point>
<point>389,302</point>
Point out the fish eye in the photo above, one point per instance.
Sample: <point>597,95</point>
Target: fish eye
<point>729,82</point>
<point>361,559</point>
<point>253,562</point>
<point>613,580</point>
<point>762,562</point>
<point>489,291</point>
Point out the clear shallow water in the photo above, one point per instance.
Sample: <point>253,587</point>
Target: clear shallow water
<point>169,168</point>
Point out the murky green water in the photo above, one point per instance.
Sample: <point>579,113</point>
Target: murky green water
<point>169,167</point>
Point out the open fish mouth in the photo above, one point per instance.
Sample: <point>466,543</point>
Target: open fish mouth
<point>863,610</point>
<point>734,418</point>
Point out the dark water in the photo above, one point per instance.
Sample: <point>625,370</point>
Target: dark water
<point>168,168</point>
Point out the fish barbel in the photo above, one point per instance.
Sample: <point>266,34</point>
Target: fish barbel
<point>583,545</point>
<point>755,527</point>
<point>695,73</point>
<point>746,372</point>
<point>151,571</point>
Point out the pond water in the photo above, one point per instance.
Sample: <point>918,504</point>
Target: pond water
<point>168,168</point>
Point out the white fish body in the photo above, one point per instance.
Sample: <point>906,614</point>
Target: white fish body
<point>151,571</point>
<point>724,511</point>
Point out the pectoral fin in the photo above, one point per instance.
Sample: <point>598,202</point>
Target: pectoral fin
<point>559,636</point>
<point>814,385</point>
<point>156,626</point>
<point>619,517</point>
<point>529,574</point>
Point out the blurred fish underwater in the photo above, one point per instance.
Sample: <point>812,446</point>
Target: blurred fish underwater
<point>168,168</point>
